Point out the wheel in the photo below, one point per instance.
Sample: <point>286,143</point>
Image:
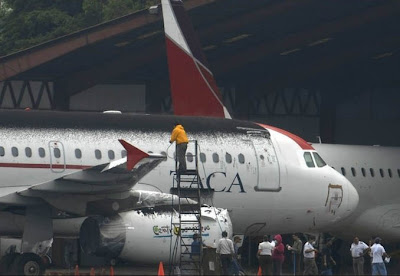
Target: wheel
<point>47,261</point>
<point>113,262</point>
<point>6,262</point>
<point>28,264</point>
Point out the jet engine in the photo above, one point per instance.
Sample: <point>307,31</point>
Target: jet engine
<point>103,236</point>
<point>148,236</point>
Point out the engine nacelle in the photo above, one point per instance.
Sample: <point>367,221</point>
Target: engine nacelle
<point>148,237</point>
<point>103,236</point>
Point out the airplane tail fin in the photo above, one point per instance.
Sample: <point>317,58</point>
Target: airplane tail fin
<point>194,90</point>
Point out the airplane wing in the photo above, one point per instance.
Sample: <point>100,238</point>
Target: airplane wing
<point>118,175</point>
<point>90,184</point>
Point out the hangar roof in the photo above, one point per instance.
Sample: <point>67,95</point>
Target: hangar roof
<point>307,43</point>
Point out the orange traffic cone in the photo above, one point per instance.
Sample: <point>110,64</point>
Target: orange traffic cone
<point>76,273</point>
<point>111,271</point>
<point>259,273</point>
<point>92,273</point>
<point>160,269</point>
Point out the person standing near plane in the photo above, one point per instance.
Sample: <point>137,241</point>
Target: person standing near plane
<point>264,255</point>
<point>327,260</point>
<point>226,252</point>
<point>179,136</point>
<point>278,255</point>
<point>378,253</point>
<point>358,250</point>
<point>296,250</point>
<point>310,267</point>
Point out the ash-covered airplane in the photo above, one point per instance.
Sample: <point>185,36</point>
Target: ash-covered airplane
<point>56,167</point>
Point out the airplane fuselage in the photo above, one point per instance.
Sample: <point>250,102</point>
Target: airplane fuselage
<point>375,173</point>
<point>258,174</point>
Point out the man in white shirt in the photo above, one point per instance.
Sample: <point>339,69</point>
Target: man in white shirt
<point>226,251</point>
<point>264,255</point>
<point>378,253</point>
<point>358,249</point>
<point>310,267</point>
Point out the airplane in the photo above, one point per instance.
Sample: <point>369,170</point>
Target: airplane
<point>383,159</point>
<point>56,167</point>
<point>375,173</point>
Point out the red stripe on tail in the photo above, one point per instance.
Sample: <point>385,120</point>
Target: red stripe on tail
<point>191,90</point>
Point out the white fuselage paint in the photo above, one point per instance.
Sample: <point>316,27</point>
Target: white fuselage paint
<point>302,204</point>
<point>378,211</point>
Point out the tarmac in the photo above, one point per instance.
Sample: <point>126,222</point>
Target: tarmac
<point>118,270</point>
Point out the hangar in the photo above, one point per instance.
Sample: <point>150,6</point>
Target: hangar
<point>317,68</point>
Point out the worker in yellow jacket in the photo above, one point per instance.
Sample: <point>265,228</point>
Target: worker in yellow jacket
<point>179,136</point>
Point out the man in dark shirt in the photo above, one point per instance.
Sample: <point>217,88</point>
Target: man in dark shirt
<point>296,249</point>
<point>327,261</point>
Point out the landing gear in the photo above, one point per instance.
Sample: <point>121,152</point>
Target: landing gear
<point>22,264</point>
<point>28,264</point>
<point>6,263</point>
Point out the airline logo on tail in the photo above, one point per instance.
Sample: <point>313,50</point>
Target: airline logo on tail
<point>194,90</point>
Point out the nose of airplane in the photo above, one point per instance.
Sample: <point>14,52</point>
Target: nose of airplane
<point>352,196</point>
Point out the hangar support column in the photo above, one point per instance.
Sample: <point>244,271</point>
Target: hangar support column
<point>242,103</point>
<point>327,121</point>
<point>158,97</point>
<point>61,95</point>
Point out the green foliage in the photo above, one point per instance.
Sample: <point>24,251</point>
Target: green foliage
<point>92,12</point>
<point>25,23</point>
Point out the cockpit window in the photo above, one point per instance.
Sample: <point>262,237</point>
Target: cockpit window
<point>318,159</point>
<point>309,160</point>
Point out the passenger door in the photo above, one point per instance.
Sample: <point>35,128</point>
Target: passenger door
<point>57,156</point>
<point>267,161</point>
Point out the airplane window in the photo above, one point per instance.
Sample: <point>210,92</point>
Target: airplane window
<point>78,153</point>
<point>97,153</point>
<point>189,157</point>
<point>123,153</point>
<point>390,173</point>
<point>14,151</point>
<point>398,172</point>
<point>381,172</point>
<point>363,172</point>
<point>42,152</point>
<point>343,171</point>
<point>202,157</point>
<point>353,171</point>
<point>371,170</point>
<point>28,152</point>
<point>241,158</point>
<point>2,151</point>
<point>228,158</point>
<point>111,154</point>
<point>57,153</point>
<point>215,157</point>
<point>318,159</point>
<point>309,160</point>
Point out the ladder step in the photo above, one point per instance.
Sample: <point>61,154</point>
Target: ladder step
<point>190,261</point>
<point>190,212</point>
<point>188,172</point>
